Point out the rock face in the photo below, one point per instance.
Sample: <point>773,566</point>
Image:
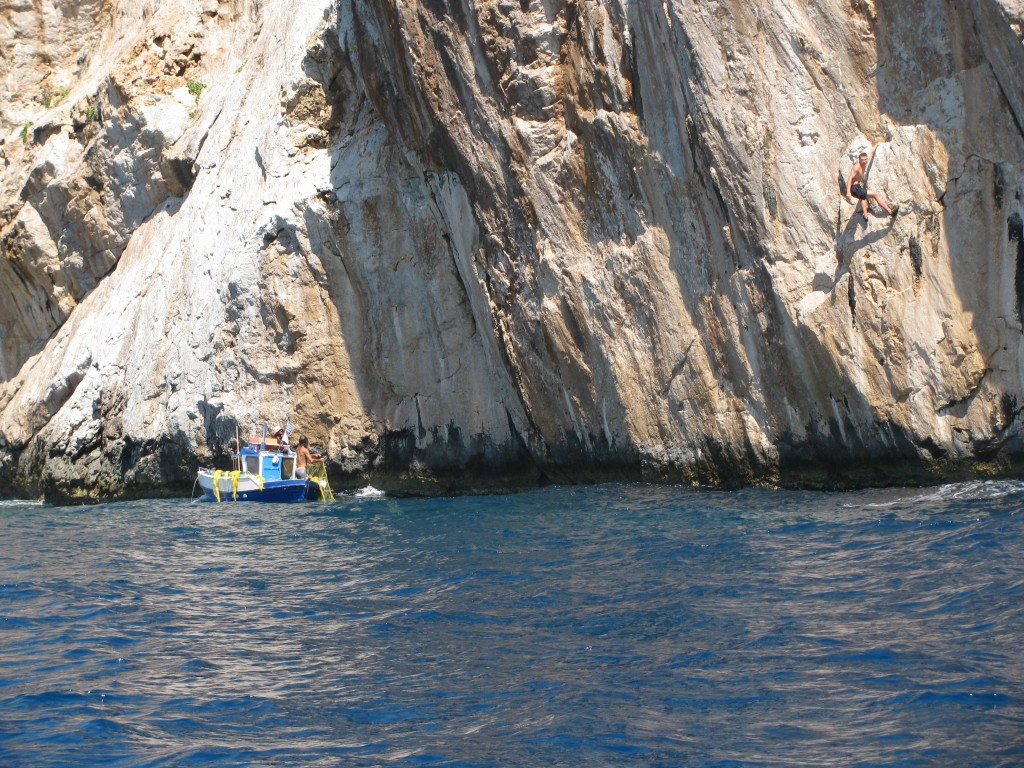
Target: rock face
<point>472,244</point>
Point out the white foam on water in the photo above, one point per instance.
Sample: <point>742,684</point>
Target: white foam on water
<point>969,491</point>
<point>369,492</point>
<point>981,489</point>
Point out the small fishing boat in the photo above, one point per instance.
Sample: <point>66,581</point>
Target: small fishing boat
<point>265,471</point>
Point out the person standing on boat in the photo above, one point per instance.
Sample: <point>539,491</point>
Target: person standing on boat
<point>304,457</point>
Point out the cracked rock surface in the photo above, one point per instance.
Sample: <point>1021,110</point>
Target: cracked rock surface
<point>482,244</point>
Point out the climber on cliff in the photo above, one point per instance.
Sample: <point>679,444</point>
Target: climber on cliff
<point>856,185</point>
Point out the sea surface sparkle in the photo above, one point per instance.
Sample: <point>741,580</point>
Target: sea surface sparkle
<point>597,626</point>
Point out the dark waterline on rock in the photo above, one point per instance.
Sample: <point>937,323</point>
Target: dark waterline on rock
<point>607,625</point>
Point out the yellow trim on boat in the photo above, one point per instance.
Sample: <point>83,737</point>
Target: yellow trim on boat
<point>234,476</point>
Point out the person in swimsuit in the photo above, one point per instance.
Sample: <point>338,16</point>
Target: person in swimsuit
<point>856,186</point>
<point>303,458</point>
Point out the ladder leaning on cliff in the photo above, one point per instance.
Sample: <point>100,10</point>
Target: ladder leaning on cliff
<point>318,474</point>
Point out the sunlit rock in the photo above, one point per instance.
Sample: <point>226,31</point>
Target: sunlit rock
<point>481,244</point>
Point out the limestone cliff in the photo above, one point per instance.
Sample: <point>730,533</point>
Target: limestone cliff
<point>484,243</point>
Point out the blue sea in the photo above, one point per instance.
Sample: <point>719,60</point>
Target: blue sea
<point>621,625</point>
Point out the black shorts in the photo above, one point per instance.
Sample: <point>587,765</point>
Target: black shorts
<point>858,191</point>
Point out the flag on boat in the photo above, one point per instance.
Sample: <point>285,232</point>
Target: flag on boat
<point>287,429</point>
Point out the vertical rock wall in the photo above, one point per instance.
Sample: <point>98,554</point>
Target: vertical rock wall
<point>472,243</point>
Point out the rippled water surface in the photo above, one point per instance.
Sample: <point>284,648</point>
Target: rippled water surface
<point>615,625</point>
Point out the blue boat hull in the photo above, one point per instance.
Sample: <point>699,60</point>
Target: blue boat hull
<point>274,492</point>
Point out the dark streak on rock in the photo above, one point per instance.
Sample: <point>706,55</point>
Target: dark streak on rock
<point>1015,233</point>
<point>916,256</point>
